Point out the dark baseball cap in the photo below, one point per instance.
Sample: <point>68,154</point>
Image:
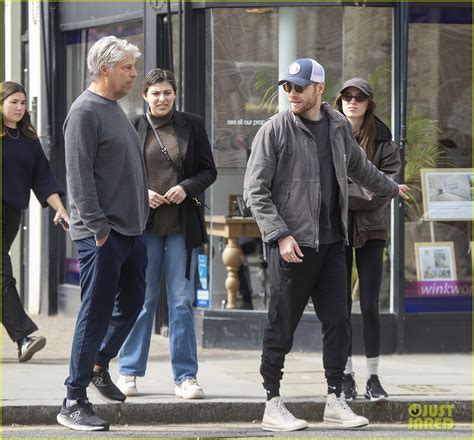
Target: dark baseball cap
<point>360,84</point>
<point>303,72</point>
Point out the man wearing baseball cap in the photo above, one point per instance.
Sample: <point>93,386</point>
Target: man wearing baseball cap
<point>296,186</point>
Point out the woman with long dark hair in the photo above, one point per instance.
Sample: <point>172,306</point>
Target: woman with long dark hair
<point>24,168</point>
<point>368,226</point>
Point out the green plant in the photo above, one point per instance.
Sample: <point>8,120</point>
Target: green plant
<point>422,150</point>
<point>265,79</point>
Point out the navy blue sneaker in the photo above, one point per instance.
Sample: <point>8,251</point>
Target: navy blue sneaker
<point>105,387</point>
<point>349,387</point>
<point>81,417</point>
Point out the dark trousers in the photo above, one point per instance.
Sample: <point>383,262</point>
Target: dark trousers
<point>248,246</point>
<point>322,277</point>
<point>369,263</point>
<point>111,274</point>
<point>16,322</point>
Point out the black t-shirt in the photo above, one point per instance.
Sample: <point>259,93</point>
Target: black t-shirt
<point>330,213</point>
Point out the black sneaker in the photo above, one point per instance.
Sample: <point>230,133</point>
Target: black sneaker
<point>374,390</point>
<point>105,388</point>
<point>29,346</point>
<point>349,387</point>
<point>81,417</point>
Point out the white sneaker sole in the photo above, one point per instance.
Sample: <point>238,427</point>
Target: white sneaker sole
<point>375,399</point>
<point>36,345</point>
<point>274,428</point>
<point>69,424</point>
<point>345,423</point>
<point>191,396</point>
<point>129,392</point>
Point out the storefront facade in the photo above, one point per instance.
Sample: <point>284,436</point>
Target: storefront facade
<point>228,58</point>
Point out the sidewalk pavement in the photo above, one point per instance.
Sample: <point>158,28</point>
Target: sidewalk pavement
<point>33,391</point>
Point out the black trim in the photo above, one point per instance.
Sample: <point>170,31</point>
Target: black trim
<point>400,67</point>
<point>51,263</point>
<point>194,53</point>
<point>243,330</point>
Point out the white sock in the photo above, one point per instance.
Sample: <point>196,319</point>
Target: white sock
<point>348,369</point>
<point>70,402</point>
<point>372,366</point>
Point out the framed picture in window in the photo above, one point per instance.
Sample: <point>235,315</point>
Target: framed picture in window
<point>447,193</point>
<point>435,261</point>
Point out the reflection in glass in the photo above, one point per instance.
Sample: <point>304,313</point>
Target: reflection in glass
<point>439,131</point>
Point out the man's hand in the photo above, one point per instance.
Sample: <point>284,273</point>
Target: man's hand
<point>176,194</point>
<point>101,242</point>
<point>403,191</point>
<point>155,200</point>
<point>289,250</point>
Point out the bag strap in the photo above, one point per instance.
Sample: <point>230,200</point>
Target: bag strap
<point>168,157</point>
<point>164,150</point>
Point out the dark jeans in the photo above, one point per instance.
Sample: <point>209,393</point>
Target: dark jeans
<point>369,263</point>
<point>322,277</point>
<point>14,319</point>
<point>111,274</point>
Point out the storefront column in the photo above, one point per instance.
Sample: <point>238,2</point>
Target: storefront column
<point>35,93</point>
<point>287,34</point>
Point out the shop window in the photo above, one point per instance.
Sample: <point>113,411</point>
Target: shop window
<point>247,49</point>
<point>438,221</point>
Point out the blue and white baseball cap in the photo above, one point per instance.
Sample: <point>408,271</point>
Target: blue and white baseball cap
<point>303,72</point>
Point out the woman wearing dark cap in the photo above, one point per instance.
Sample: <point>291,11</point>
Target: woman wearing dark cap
<point>368,225</point>
<point>24,168</point>
<point>179,167</point>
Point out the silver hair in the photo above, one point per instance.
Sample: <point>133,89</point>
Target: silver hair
<point>109,51</point>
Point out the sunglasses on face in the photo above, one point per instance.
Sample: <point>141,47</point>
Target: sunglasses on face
<point>359,98</point>
<point>288,86</point>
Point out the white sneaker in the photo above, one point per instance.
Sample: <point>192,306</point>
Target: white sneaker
<point>189,389</point>
<point>278,418</point>
<point>338,412</point>
<point>128,385</point>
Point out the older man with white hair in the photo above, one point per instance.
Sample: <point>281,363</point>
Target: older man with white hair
<point>108,195</point>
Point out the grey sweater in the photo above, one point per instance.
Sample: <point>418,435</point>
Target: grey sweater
<point>106,177</point>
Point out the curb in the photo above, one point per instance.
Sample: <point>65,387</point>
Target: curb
<point>227,411</point>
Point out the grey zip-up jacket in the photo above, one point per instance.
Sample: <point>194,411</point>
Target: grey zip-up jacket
<point>282,181</point>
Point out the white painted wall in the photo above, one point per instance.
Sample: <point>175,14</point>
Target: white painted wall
<point>12,54</point>
<point>36,89</point>
<point>12,66</point>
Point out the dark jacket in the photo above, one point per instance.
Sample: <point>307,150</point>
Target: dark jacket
<point>199,171</point>
<point>25,168</point>
<point>282,185</point>
<point>371,212</point>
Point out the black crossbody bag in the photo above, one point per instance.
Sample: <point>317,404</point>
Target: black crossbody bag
<point>194,214</point>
